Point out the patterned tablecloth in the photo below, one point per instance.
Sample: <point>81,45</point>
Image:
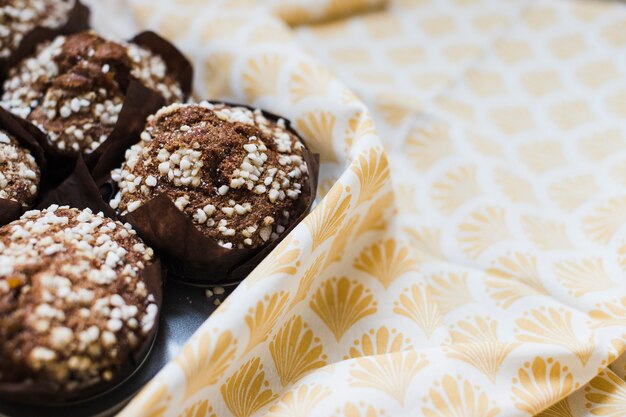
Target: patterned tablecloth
<point>468,256</point>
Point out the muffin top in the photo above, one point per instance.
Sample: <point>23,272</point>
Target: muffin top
<point>19,17</point>
<point>19,173</point>
<point>72,88</point>
<point>73,304</point>
<point>237,174</point>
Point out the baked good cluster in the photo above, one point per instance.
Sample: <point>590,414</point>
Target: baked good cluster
<point>81,251</point>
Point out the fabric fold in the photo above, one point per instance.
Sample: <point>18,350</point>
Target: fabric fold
<point>466,253</point>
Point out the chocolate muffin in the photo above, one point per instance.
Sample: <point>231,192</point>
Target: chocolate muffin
<point>73,303</point>
<point>19,173</point>
<point>20,17</point>
<point>237,174</point>
<point>74,87</point>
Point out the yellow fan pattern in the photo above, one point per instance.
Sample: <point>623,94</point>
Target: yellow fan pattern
<point>466,254</point>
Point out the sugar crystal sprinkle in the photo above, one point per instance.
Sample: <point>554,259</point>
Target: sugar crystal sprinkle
<point>19,173</point>
<point>19,17</point>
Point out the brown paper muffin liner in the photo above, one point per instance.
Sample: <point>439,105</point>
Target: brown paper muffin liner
<point>79,191</point>
<point>29,137</point>
<point>78,20</point>
<point>139,101</point>
<point>189,255</point>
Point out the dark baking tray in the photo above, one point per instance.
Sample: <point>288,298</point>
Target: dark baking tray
<point>184,309</point>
